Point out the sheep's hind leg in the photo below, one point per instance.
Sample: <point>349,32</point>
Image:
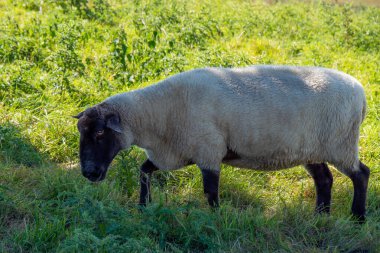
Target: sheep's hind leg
<point>323,181</point>
<point>359,179</point>
<point>211,186</point>
<point>146,170</point>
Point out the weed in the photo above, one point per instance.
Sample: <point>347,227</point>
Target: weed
<point>59,57</point>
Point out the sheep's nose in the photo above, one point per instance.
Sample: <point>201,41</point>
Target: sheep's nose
<point>92,175</point>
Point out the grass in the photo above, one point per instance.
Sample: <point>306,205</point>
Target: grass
<point>59,57</point>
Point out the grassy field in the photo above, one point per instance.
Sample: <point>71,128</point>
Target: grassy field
<point>59,57</point>
<point>358,2</point>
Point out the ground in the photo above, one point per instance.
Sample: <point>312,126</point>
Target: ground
<point>60,57</point>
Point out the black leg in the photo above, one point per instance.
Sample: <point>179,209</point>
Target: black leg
<point>323,181</point>
<point>211,186</point>
<point>360,180</point>
<point>146,170</point>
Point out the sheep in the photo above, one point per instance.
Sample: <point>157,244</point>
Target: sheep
<point>259,117</point>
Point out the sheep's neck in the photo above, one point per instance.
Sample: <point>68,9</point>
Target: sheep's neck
<point>152,119</point>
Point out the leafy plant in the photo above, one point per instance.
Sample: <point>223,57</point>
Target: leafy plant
<point>59,57</point>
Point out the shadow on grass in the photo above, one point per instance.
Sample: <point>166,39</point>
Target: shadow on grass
<point>240,194</point>
<point>97,215</point>
<point>16,149</point>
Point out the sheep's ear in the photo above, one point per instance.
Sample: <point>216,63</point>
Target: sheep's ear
<point>78,116</point>
<point>113,122</point>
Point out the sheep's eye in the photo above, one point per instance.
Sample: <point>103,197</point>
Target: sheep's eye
<point>99,133</point>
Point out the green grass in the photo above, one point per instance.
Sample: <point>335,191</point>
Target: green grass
<point>59,57</point>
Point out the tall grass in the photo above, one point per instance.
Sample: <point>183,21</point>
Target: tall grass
<point>59,57</point>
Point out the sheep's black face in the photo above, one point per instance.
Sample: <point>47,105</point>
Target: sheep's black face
<point>99,142</point>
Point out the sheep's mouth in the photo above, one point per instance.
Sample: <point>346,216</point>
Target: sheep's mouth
<point>99,178</point>
<point>95,176</point>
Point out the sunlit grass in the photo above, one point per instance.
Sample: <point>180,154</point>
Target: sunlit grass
<point>56,59</point>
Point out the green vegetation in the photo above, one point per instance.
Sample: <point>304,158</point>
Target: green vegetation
<point>59,57</point>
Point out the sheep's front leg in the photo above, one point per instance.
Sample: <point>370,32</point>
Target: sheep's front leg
<point>211,186</point>
<point>146,170</point>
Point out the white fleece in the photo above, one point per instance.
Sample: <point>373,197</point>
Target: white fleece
<point>272,117</point>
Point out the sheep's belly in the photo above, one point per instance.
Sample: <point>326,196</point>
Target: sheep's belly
<point>264,164</point>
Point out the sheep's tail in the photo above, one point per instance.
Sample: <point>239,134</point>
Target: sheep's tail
<point>364,109</point>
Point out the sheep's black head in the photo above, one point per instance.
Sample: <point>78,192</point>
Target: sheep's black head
<point>101,138</point>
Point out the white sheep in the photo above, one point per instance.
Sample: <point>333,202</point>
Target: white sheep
<point>259,117</point>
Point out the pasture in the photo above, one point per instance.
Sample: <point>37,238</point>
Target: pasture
<point>59,57</point>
